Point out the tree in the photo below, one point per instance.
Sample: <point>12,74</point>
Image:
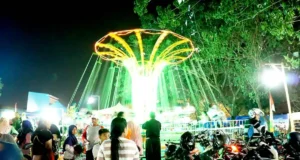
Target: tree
<point>234,39</point>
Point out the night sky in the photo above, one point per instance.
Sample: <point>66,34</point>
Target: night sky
<point>45,48</point>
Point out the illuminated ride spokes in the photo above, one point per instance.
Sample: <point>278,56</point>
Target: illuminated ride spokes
<point>130,48</point>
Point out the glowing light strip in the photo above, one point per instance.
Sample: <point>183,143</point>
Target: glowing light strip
<point>168,49</point>
<point>176,53</point>
<point>169,55</point>
<point>152,33</point>
<point>123,33</point>
<point>157,44</point>
<point>115,50</point>
<point>123,43</point>
<point>108,55</point>
<point>105,53</point>
<point>140,41</point>
<point>112,48</point>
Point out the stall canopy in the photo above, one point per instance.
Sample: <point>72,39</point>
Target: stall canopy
<point>115,109</point>
<point>39,101</point>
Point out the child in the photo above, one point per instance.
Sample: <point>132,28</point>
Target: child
<point>103,135</point>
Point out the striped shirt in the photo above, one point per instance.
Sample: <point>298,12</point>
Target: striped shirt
<point>128,150</point>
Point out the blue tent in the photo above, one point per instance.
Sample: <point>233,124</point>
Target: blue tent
<point>38,101</point>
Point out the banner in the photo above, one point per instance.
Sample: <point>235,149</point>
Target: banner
<point>272,109</point>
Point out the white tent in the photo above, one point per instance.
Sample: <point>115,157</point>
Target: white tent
<point>106,115</point>
<point>115,109</point>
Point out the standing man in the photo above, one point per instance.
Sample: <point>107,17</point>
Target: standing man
<point>90,137</point>
<point>152,128</point>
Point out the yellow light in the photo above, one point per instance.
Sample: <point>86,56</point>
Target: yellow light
<point>173,55</point>
<point>167,50</point>
<point>170,55</point>
<point>122,42</point>
<point>158,42</point>
<point>140,42</point>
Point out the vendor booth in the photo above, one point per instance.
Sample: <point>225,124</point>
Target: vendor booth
<point>42,105</point>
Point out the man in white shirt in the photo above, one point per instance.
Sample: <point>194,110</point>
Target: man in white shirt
<point>103,135</point>
<point>90,137</point>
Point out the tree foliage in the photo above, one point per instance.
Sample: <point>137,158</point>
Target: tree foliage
<point>233,39</point>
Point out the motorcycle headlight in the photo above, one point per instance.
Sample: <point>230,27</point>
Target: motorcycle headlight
<point>234,148</point>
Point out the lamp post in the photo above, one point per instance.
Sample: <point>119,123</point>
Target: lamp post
<point>282,78</point>
<point>92,100</point>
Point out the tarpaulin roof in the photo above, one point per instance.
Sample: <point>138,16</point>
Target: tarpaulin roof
<point>38,101</point>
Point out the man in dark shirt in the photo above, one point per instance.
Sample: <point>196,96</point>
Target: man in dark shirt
<point>152,128</point>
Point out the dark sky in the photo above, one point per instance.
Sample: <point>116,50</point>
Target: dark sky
<point>45,48</point>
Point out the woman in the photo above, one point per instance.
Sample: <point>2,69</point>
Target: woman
<point>4,131</point>
<point>24,137</point>
<point>118,147</point>
<point>70,143</point>
<point>56,140</point>
<point>136,135</point>
<point>42,142</point>
<point>8,146</point>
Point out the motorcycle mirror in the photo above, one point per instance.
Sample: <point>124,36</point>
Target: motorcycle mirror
<point>250,131</point>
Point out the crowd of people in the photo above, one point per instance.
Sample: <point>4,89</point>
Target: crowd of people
<point>125,142</point>
<point>122,141</point>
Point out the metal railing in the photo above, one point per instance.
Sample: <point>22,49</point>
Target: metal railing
<point>172,131</point>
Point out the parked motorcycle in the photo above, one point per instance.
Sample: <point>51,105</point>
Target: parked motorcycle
<point>214,147</point>
<point>235,150</point>
<point>171,148</point>
<point>185,150</point>
<point>257,148</point>
<point>292,147</point>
